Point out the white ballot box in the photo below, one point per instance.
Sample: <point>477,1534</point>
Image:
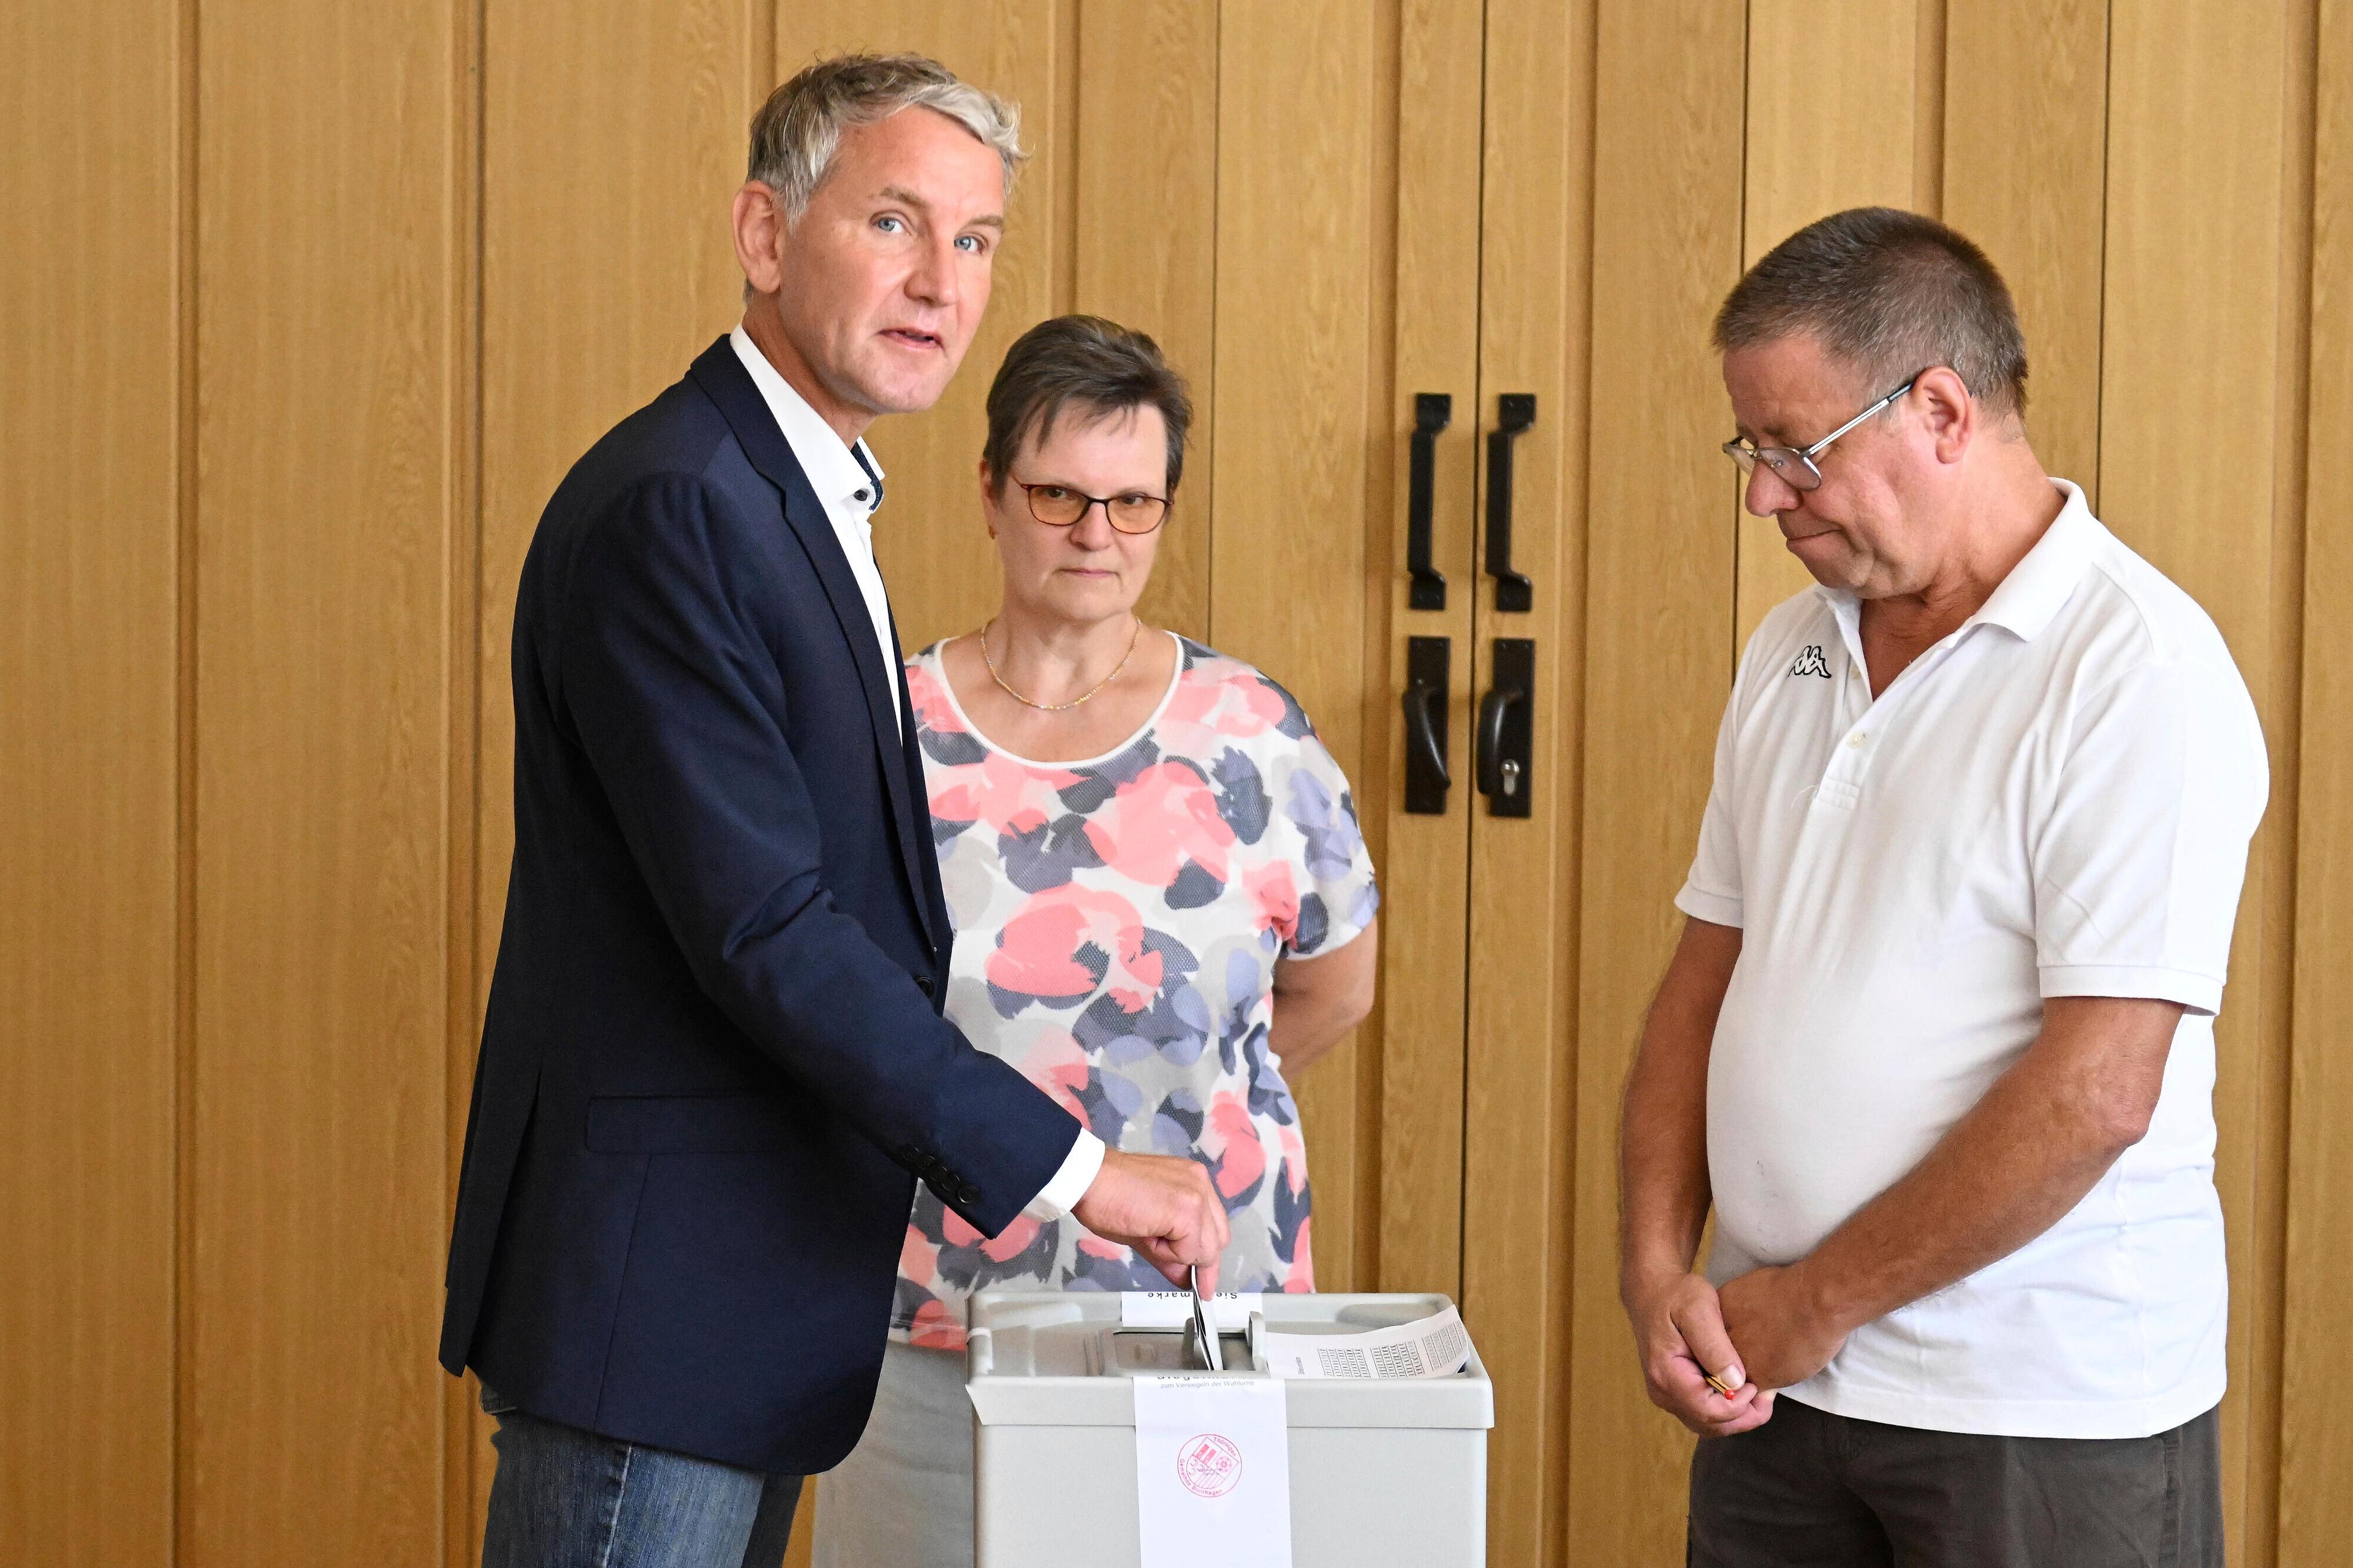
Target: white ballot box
<point>1386,1451</point>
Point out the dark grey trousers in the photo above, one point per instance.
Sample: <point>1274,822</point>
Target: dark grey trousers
<point>1830,1491</point>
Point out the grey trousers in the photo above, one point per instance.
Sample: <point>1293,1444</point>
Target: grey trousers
<point>1831,1492</point>
<point>904,1498</point>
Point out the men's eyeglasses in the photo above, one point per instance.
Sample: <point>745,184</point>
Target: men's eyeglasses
<point>1060,506</point>
<point>1794,467</point>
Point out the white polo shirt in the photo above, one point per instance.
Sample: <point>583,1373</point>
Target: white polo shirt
<point>2054,801</point>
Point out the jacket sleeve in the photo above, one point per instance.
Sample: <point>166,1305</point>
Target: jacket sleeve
<point>677,701</point>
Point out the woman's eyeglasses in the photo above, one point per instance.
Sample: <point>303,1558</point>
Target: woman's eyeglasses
<point>1060,506</point>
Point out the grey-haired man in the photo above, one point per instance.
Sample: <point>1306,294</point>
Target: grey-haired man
<point>713,1061</point>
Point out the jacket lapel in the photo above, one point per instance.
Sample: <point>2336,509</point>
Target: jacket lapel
<point>727,384</point>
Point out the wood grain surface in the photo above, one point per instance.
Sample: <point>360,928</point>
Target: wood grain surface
<point>1537,209</point>
<point>327,215</point>
<point>91,426</point>
<point>323,302</point>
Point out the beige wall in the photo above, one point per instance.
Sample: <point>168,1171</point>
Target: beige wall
<point>309,306</point>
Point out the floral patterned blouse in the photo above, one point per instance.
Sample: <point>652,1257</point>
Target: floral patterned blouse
<point>1117,924</point>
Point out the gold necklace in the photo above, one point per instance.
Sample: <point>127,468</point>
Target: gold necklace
<point>1055,707</point>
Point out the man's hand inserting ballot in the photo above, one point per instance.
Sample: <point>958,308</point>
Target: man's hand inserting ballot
<point>1161,1207</point>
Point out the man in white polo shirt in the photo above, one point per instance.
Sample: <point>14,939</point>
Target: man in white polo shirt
<point>1937,1043</point>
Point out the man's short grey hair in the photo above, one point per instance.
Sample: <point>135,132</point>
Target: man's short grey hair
<point>796,133</point>
<point>1891,293</point>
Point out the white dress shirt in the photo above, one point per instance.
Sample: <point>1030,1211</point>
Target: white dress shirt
<point>847,487</point>
<point>849,483</point>
<point>2055,800</point>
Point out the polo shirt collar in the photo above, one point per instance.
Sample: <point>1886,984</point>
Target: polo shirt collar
<point>2045,579</point>
<point>2034,592</point>
<point>834,471</point>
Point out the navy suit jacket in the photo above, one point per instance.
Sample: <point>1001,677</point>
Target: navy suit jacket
<point>714,1053</point>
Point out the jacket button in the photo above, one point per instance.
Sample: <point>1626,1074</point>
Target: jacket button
<point>924,984</point>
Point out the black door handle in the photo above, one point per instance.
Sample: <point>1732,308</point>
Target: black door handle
<point>1514,412</point>
<point>1507,730</point>
<point>1433,411</point>
<point>1427,667</point>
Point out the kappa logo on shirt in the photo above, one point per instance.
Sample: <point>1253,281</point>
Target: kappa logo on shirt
<point>1811,662</point>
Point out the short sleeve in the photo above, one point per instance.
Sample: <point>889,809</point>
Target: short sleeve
<point>1711,893</point>
<point>2138,865</point>
<point>1332,868</point>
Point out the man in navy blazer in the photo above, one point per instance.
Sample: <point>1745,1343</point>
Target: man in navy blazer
<point>715,1062</point>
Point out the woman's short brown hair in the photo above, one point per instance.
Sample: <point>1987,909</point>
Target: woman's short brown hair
<point>1100,367</point>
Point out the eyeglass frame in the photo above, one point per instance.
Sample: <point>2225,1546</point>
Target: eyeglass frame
<point>1746,454</point>
<point>1029,493</point>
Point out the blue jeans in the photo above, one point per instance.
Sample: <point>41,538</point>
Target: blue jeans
<point>564,1497</point>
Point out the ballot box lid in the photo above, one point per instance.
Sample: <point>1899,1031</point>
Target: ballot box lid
<point>1063,1359</point>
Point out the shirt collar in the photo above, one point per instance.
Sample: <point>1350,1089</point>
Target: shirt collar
<point>2036,587</point>
<point>2045,579</point>
<point>833,470</point>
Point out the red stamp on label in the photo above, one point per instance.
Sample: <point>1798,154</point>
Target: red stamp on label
<point>1208,1465</point>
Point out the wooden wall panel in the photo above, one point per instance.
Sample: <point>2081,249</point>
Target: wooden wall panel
<point>2025,130</point>
<point>2189,343</point>
<point>929,536</point>
<point>2261,1285</point>
<point>1666,227</point>
<point>1425,857</point>
<point>1534,305</point>
<point>89,402</point>
<point>257,733</point>
<point>1295,292</point>
<point>328,214</point>
<point>1144,228</point>
<point>1846,140</point>
<point>1355,1099</point>
<point>2316,1428</point>
<point>613,139</point>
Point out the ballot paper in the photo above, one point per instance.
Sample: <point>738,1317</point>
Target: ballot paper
<point>1174,1309</point>
<point>1205,1335</point>
<point>1432,1347</point>
<point>1212,1471</point>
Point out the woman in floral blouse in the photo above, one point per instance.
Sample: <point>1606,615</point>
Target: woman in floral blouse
<point>1163,903</point>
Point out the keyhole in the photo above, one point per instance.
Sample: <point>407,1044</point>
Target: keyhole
<point>1511,777</point>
